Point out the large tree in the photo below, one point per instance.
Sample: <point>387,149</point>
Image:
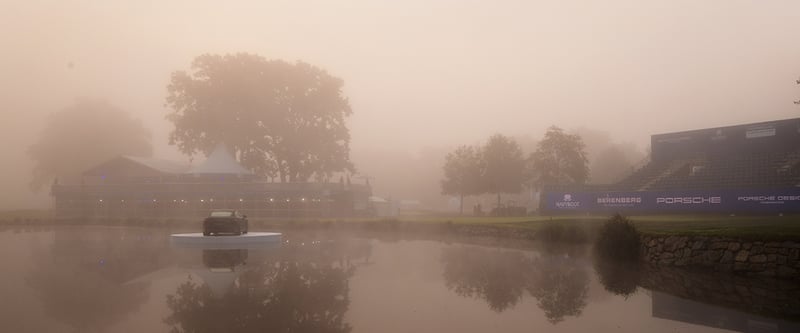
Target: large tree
<point>81,136</point>
<point>462,173</point>
<point>282,120</point>
<point>560,159</point>
<point>504,166</point>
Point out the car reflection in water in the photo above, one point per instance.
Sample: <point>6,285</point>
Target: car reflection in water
<point>224,260</point>
<point>300,286</point>
<point>223,268</point>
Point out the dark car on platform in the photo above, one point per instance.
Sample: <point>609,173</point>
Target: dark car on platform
<point>225,222</point>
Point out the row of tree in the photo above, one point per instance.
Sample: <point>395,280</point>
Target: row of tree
<point>499,166</point>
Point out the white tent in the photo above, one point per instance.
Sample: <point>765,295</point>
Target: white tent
<point>221,161</point>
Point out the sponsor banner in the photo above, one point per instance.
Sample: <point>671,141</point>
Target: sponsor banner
<point>722,201</point>
<point>574,202</point>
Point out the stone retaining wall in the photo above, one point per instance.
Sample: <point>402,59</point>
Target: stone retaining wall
<point>771,297</point>
<point>779,259</point>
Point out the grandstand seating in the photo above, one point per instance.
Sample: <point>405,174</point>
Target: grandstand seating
<point>749,168</point>
<point>753,170</point>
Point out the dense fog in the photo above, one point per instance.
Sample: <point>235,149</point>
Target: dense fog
<point>421,77</point>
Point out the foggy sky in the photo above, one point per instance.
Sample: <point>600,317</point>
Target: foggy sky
<point>418,73</point>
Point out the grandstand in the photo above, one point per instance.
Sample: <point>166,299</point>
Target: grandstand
<point>757,169</point>
<point>744,168</point>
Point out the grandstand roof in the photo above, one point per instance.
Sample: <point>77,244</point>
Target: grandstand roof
<point>774,136</point>
<point>757,124</point>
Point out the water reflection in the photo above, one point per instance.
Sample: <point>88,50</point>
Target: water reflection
<point>559,283</point>
<point>302,286</point>
<point>560,287</point>
<point>497,277</point>
<point>130,280</point>
<point>619,278</point>
<point>86,279</point>
<point>671,307</point>
<point>761,296</point>
<point>725,301</point>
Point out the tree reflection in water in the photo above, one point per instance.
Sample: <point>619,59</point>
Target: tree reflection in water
<point>560,287</point>
<point>498,277</point>
<point>501,277</point>
<point>87,278</point>
<point>618,277</point>
<point>301,288</point>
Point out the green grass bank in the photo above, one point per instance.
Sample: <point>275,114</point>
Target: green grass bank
<point>744,227</point>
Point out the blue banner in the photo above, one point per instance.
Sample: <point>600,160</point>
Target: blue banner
<point>710,201</point>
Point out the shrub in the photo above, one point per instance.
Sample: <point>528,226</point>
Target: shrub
<point>618,240</point>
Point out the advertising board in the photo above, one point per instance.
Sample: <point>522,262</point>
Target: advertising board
<point>710,201</point>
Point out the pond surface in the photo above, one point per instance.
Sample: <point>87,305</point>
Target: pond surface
<point>106,279</point>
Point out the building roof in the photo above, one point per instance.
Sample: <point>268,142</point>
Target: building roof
<point>220,161</point>
<point>154,164</point>
<point>165,166</point>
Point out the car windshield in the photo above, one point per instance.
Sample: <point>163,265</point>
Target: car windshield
<point>222,214</point>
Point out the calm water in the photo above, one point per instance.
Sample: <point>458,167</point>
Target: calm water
<point>96,279</point>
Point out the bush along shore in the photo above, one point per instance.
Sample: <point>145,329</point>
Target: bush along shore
<point>620,242</point>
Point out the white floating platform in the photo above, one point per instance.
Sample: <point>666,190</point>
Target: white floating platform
<point>245,241</point>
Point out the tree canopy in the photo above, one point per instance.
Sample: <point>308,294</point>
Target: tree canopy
<point>81,136</point>
<point>281,120</point>
<point>462,172</point>
<point>496,167</point>
<point>504,165</point>
<point>559,159</point>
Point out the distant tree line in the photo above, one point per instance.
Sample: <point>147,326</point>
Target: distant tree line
<point>499,166</point>
<point>82,135</point>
